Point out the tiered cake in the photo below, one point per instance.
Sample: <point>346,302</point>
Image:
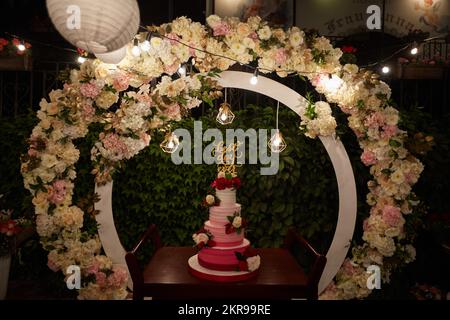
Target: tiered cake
<point>224,253</point>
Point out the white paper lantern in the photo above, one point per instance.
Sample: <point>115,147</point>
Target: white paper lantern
<point>96,26</point>
<point>113,57</point>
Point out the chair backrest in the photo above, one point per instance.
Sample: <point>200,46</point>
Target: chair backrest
<point>132,261</point>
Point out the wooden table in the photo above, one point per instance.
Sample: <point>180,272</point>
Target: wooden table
<point>280,277</point>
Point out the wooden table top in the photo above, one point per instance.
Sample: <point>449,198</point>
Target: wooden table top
<point>279,277</point>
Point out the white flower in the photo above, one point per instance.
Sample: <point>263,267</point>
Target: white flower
<point>411,251</point>
<point>237,222</point>
<point>253,263</point>
<point>213,21</point>
<point>265,33</point>
<point>210,199</point>
<point>106,99</point>
<point>296,39</point>
<point>351,68</point>
<point>48,160</point>
<point>200,237</point>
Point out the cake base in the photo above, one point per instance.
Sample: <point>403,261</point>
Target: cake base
<point>217,276</point>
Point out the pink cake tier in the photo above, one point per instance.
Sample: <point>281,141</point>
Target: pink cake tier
<point>222,258</point>
<point>217,276</point>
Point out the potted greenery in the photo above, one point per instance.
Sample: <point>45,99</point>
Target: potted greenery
<point>9,229</point>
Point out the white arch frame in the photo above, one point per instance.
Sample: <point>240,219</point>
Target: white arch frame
<point>336,151</point>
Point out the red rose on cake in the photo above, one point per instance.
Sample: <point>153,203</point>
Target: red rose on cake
<point>226,181</point>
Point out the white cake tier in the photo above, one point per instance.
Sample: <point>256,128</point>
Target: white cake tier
<point>227,197</point>
<point>218,215</point>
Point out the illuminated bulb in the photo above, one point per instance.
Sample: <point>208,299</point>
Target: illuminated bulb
<point>21,47</point>
<point>182,70</point>
<point>334,83</point>
<point>145,46</point>
<point>277,143</point>
<point>386,70</point>
<point>225,116</point>
<point>414,51</point>
<point>81,59</point>
<point>254,78</point>
<point>136,51</point>
<point>170,143</point>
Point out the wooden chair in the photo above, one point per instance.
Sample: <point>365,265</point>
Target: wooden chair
<point>166,276</point>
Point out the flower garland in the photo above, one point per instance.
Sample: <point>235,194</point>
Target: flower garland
<point>121,100</point>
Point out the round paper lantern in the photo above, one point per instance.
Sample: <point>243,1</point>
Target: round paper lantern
<point>113,57</point>
<point>95,26</point>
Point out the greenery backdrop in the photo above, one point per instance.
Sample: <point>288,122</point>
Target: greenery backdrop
<point>151,189</point>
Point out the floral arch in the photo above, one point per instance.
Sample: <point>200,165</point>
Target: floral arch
<point>122,99</point>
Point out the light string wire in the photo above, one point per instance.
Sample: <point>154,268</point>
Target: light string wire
<point>278,110</point>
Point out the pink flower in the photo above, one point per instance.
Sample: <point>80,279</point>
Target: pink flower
<point>57,192</point>
<point>173,111</point>
<point>173,38</point>
<point>121,81</point>
<point>280,56</point>
<point>366,224</point>
<point>368,158</point>
<point>410,177</point>
<point>348,268</point>
<point>90,90</point>
<point>375,120</point>
<point>146,138</point>
<point>253,35</point>
<point>118,278</point>
<point>171,69</point>
<point>93,268</point>
<point>392,216</point>
<point>389,131</point>
<point>100,279</point>
<point>32,152</point>
<point>222,29</point>
<point>113,143</point>
<point>87,111</point>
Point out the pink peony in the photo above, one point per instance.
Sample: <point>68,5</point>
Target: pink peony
<point>280,56</point>
<point>100,279</point>
<point>348,268</point>
<point>87,111</point>
<point>222,29</point>
<point>173,112</point>
<point>375,120</point>
<point>118,278</point>
<point>57,192</point>
<point>121,81</point>
<point>113,143</point>
<point>32,152</point>
<point>389,131</point>
<point>368,158</point>
<point>392,216</point>
<point>253,35</point>
<point>90,90</point>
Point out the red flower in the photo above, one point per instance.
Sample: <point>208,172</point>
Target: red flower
<point>27,45</point>
<point>349,49</point>
<point>224,183</point>
<point>229,228</point>
<point>243,265</point>
<point>236,182</point>
<point>15,41</point>
<point>3,42</point>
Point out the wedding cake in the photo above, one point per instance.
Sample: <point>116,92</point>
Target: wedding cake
<point>224,254</point>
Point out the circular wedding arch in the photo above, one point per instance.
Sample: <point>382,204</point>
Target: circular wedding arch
<point>336,151</point>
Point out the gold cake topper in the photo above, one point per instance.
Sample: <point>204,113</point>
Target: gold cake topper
<point>226,156</point>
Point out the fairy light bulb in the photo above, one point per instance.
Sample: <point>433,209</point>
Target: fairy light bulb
<point>333,83</point>
<point>254,78</point>
<point>145,46</point>
<point>21,46</point>
<point>386,70</point>
<point>225,116</point>
<point>135,51</point>
<point>170,143</point>
<point>81,60</point>
<point>414,51</point>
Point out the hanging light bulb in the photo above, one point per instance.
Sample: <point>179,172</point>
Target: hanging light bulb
<point>170,143</point>
<point>254,78</point>
<point>182,70</point>
<point>81,59</point>
<point>414,50</point>
<point>145,46</point>
<point>385,69</point>
<point>135,50</point>
<point>277,144</point>
<point>225,116</point>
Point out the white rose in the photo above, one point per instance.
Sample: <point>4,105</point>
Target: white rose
<point>398,177</point>
<point>210,199</point>
<point>48,160</point>
<point>106,99</point>
<point>200,237</point>
<point>265,33</point>
<point>296,39</point>
<point>253,263</point>
<point>237,222</point>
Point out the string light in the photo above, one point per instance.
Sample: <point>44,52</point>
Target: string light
<point>277,143</point>
<point>415,49</point>
<point>170,143</point>
<point>136,51</point>
<point>385,69</point>
<point>254,78</point>
<point>182,70</point>
<point>21,46</point>
<point>81,60</point>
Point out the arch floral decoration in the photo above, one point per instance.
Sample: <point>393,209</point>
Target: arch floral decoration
<point>121,99</point>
